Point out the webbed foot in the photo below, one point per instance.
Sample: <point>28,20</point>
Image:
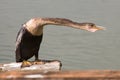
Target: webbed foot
<point>26,64</point>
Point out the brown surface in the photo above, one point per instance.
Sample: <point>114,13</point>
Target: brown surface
<point>62,75</point>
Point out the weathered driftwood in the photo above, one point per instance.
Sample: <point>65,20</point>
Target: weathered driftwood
<point>47,65</point>
<point>50,71</point>
<point>61,75</point>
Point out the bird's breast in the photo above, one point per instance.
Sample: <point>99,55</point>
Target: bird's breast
<point>34,30</point>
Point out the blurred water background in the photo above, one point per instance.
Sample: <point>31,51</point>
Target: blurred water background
<point>77,49</point>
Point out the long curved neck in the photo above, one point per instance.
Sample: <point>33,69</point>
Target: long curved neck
<point>35,25</point>
<point>62,22</point>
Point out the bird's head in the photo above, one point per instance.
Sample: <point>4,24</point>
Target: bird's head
<point>91,27</point>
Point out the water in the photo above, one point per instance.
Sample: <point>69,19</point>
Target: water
<point>76,49</point>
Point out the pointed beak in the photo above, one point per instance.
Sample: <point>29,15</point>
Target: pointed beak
<point>100,28</point>
<point>96,28</point>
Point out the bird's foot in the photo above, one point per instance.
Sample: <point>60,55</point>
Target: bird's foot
<point>26,64</point>
<point>38,61</point>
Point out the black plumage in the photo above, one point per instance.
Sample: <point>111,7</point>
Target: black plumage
<point>27,45</point>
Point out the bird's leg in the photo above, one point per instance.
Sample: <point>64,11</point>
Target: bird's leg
<point>26,63</point>
<point>37,60</point>
<point>36,57</point>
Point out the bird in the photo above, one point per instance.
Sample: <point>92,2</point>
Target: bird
<point>30,36</point>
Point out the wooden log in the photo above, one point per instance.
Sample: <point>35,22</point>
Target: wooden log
<point>61,75</point>
<point>47,65</point>
<point>50,71</point>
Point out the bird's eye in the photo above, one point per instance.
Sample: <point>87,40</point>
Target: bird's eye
<point>91,25</point>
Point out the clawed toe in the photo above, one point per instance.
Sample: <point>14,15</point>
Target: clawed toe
<point>38,61</point>
<point>26,64</point>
